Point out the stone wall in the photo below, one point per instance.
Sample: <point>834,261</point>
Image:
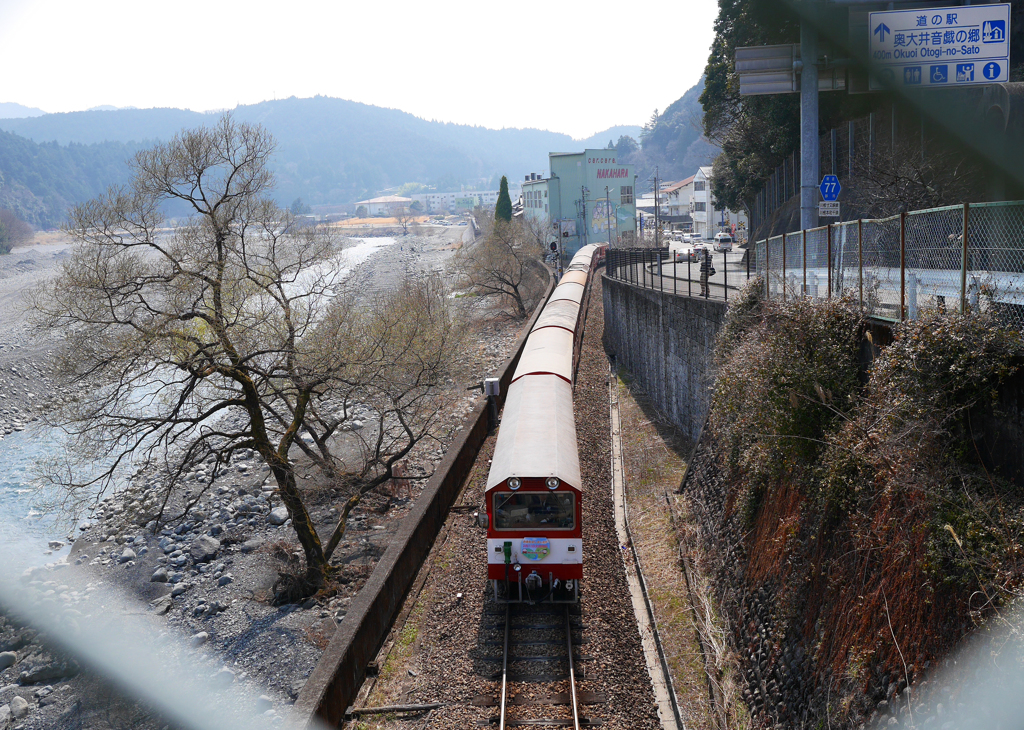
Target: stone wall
<point>666,343</point>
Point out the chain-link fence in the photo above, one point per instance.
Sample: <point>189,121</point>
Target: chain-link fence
<point>956,258</point>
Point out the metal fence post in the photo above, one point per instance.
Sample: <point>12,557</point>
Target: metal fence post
<point>783,267</point>
<point>725,275</point>
<point>860,262</point>
<point>963,261</point>
<point>903,266</point>
<point>689,277</point>
<point>828,251</point>
<point>767,271</point>
<point>803,292</point>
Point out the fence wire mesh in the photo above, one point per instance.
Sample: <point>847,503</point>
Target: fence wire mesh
<point>956,258</point>
<point>775,274</point>
<point>933,249</point>
<point>994,271</point>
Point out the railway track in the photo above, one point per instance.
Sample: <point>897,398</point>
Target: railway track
<point>537,681</point>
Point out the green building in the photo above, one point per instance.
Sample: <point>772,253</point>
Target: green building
<point>587,198</point>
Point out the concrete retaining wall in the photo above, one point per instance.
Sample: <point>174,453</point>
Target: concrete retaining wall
<point>666,343</point>
<point>336,679</point>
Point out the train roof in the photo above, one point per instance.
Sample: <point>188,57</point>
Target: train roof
<point>562,313</point>
<point>573,276</point>
<point>586,253</point>
<point>537,436</point>
<point>570,290</point>
<point>547,351</point>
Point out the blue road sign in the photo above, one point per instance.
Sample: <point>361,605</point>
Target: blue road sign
<point>945,47</point>
<point>830,187</point>
<point>993,31</point>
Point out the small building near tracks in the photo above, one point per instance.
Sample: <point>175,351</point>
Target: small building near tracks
<point>588,197</point>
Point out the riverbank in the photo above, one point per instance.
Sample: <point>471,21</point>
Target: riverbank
<point>209,579</point>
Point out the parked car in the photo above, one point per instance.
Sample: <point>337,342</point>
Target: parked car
<point>681,252</point>
<point>723,242</point>
<point>694,253</point>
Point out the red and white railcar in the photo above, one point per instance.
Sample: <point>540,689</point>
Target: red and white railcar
<point>534,489</point>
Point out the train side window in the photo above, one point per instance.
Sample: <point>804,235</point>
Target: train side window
<point>534,510</point>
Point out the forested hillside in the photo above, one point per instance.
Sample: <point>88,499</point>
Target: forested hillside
<point>38,181</point>
<point>672,142</point>
<point>329,151</point>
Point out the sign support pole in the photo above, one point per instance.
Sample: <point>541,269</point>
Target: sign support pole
<point>963,262</point>
<point>809,162</point>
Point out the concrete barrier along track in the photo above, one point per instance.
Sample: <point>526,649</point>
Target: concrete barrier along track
<point>336,679</point>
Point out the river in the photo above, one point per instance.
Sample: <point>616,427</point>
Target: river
<point>26,526</point>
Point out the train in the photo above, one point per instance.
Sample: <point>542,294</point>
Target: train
<point>534,495</point>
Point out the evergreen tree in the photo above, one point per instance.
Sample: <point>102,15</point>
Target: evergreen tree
<point>503,208</point>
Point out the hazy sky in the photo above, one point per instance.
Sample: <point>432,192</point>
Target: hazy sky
<point>573,67</point>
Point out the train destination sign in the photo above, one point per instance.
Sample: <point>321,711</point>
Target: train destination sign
<point>940,47</point>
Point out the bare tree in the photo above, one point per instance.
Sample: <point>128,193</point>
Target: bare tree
<point>503,263</point>
<point>13,230</point>
<point>404,217</point>
<point>232,333</point>
<point>914,176</point>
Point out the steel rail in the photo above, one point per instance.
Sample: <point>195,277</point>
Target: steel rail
<point>504,670</point>
<point>572,672</point>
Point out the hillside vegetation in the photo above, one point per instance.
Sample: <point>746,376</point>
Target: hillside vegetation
<point>39,181</point>
<point>866,521</point>
<point>672,142</point>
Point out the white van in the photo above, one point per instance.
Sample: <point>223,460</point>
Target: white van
<point>723,241</point>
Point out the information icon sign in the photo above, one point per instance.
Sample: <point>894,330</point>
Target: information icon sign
<point>991,70</point>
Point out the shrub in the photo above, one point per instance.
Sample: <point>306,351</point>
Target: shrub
<point>787,369</point>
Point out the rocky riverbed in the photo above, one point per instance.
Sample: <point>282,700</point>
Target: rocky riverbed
<point>208,578</point>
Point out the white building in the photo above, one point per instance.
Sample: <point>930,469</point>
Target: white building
<point>385,205</point>
<point>676,197</point>
<point>455,201</point>
<point>708,219</point>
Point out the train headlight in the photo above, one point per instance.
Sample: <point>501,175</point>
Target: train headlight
<point>514,483</point>
<point>553,482</point>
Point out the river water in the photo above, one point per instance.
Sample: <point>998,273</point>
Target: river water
<point>26,525</point>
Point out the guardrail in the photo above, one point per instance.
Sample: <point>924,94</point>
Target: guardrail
<point>967,257</point>
<point>660,269</point>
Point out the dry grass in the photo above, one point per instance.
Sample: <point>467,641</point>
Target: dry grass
<point>379,222</point>
<point>683,603</point>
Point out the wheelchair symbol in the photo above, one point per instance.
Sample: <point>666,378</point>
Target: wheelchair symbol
<point>939,74</point>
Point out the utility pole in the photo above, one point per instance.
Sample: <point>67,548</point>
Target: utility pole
<point>636,239</point>
<point>809,172</point>
<point>583,203</point>
<point>608,210</point>
<point>657,210</point>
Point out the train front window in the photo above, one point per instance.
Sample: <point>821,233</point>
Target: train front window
<point>534,510</point>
